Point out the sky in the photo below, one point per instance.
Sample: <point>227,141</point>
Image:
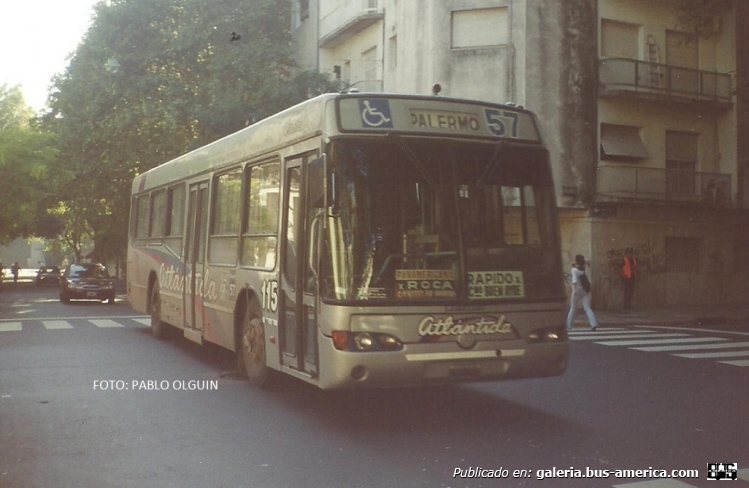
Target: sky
<point>36,39</point>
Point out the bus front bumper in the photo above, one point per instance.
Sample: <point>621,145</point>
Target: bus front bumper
<point>424,364</point>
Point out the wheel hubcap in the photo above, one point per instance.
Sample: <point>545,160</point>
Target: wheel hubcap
<point>253,346</point>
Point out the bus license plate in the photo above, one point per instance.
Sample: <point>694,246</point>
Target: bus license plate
<point>465,371</point>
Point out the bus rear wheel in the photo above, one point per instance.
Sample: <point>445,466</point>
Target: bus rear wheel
<point>158,327</point>
<point>251,350</point>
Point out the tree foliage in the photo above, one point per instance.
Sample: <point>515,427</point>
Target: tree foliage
<point>153,79</point>
<point>26,173</point>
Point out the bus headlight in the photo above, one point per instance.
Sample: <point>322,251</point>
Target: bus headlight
<point>552,334</point>
<point>389,343</point>
<point>365,341</point>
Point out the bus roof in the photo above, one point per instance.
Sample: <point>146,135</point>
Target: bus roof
<point>352,113</point>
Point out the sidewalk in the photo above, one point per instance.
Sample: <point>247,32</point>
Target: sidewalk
<point>683,316</point>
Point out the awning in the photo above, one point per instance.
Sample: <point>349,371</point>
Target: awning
<point>621,142</point>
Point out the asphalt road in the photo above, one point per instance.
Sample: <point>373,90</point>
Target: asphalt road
<point>77,410</point>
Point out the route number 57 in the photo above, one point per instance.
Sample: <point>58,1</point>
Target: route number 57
<point>497,121</point>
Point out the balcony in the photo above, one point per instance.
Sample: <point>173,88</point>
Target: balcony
<point>653,185</point>
<point>348,18</point>
<point>619,77</point>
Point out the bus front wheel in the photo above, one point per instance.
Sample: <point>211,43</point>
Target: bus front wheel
<point>251,350</point>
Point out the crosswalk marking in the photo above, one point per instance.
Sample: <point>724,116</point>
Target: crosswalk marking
<point>713,355</point>
<point>594,336</point>
<point>692,347</point>
<point>10,326</point>
<point>106,323</point>
<point>661,341</point>
<point>73,323</point>
<point>741,363</point>
<point>607,330</point>
<point>56,324</point>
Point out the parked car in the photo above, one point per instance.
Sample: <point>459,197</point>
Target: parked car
<point>87,281</point>
<point>48,274</point>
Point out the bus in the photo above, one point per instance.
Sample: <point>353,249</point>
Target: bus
<point>360,240</point>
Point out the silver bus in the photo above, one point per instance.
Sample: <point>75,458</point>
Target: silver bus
<point>360,240</point>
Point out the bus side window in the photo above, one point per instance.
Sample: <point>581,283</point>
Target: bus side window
<point>260,229</point>
<point>143,203</point>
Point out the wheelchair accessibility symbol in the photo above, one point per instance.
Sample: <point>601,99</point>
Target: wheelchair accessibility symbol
<point>375,113</point>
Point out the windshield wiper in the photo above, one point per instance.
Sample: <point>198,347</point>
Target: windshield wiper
<point>417,163</point>
<point>492,164</point>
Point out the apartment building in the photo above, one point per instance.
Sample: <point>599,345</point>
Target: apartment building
<point>642,109</point>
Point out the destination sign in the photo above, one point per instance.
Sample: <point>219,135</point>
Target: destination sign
<point>485,285</point>
<point>444,120</point>
<point>434,116</point>
<point>424,283</point>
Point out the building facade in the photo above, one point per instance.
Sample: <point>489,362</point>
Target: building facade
<point>641,104</point>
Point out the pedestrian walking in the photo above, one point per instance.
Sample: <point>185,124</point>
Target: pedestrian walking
<point>14,271</point>
<point>580,294</point>
<point>629,268</point>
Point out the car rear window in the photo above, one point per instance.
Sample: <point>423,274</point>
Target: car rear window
<point>88,272</point>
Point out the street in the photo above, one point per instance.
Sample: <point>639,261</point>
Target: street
<point>88,398</point>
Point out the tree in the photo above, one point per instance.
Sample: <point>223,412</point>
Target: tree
<point>153,79</point>
<point>14,112</point>
<point>26,155</point>
<point>77,233</point>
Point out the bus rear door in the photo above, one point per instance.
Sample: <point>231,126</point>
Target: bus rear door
<point>197,230</point>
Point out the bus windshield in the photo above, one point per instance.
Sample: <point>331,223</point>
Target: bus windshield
<point>418,219</point>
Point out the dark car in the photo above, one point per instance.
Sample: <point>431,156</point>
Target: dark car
<point>88,281</point>
<point>48,274</point>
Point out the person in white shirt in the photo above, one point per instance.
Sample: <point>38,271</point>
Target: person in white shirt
<point>578,294</point>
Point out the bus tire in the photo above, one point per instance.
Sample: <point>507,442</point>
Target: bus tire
<point>158,327</point>
<point>251,347</point>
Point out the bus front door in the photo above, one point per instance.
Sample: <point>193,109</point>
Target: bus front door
<point>298,327</point>
<point>195,238</point>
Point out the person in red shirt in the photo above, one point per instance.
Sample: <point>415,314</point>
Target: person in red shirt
<point>629,267</point>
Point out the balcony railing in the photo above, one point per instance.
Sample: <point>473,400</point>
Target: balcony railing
<point>664,185</point>
<point>348,18</point>
<point>626,76</point>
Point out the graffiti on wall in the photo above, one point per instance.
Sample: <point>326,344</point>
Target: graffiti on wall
<point>650,261</point>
